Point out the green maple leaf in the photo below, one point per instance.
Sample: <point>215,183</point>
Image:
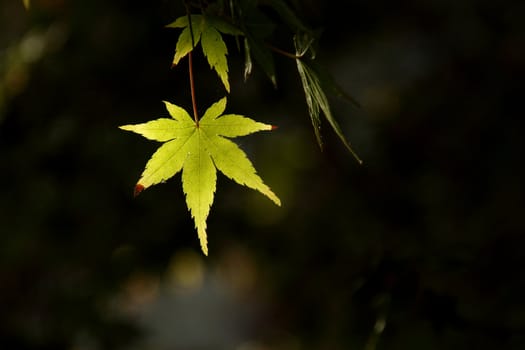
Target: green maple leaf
<point>199,149</point>
<point>207,30</point>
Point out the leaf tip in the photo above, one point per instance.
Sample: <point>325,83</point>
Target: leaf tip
<point>203,240</point>
<point>273,79</point>
<point>274,127</point>
<point>138,188</point>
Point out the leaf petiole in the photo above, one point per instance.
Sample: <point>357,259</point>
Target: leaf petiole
<point>190,69</point>
<point>284,53</point>
<point>192,88</point>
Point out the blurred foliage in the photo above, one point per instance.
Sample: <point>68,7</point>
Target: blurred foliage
<point>420,247</point>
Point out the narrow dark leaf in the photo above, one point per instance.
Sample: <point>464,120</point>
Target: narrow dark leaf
<point>316,100</point>
<point>311,101</point>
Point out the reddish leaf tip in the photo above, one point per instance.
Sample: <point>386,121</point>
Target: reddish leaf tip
<point>138,188</point>
<point>274,127</point>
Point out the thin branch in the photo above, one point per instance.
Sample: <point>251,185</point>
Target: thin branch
<point>282,52</point>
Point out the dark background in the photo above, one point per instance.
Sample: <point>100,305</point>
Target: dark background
<point>421,247</point>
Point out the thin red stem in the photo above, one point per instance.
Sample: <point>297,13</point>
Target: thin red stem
<point>190,68</point>
<point>192,88</point>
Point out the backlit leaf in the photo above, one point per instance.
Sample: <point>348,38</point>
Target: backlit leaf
<point>199,150</point>
<point>215,51</point>
<point>207,30</point>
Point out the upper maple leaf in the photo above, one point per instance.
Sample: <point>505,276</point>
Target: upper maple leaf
<point>207,30</point>
<point>198,149</point>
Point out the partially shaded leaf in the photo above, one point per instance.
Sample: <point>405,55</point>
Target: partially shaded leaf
<point>189,37</point>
